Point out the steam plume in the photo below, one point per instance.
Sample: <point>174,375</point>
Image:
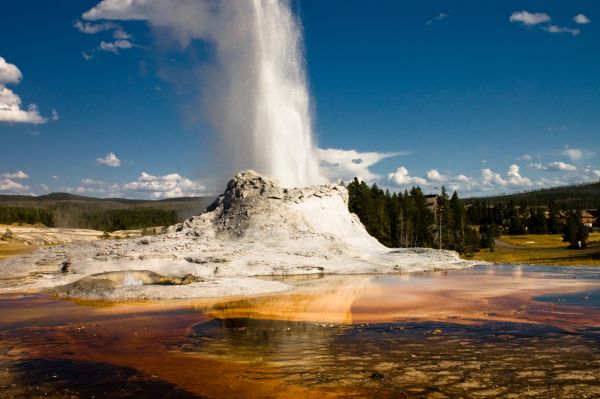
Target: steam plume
<point>257,98</point>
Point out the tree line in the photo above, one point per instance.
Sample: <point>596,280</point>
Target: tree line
<point>405,219</point>
<point>97,219</point>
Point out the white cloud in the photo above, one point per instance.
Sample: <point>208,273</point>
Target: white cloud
<point>121,34</point>
<point>167,186</point>
<point>492,179</point>
<point>55,115</point>
<point>9,73</point>
<point>10,103</point>
<point>513,178</point>
<point>440,17</point>
<point>45,187</point>
<point>491,182</point>
<point>122,38</point>
<point>529,19</point>
<point>435,176</point>
<point>556,166</point>
<point>577,154</point>
<point>109,160</point>
<point>146,186</point>
<point>91,28</point>
<point>402,178</point>
<point>337,164</point>
<point>560,29</point>
<point>8,185</point>
<point>20,175</point>
<point>581,19</point>
<point>561,166</point>
<point>592,171</point>
<point>115,46</point>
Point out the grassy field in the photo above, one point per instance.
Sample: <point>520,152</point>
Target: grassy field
<point>542,249</point>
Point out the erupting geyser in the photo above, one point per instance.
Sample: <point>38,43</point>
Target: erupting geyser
<point>261,225</point>
<point>256,93</point>
<point>274,104</point>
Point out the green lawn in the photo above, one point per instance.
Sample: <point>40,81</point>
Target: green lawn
<point>542,249</point>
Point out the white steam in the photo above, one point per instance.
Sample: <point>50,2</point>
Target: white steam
<point>256,94</point>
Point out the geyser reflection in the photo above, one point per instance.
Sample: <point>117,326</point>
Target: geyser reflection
<point>255,95</point>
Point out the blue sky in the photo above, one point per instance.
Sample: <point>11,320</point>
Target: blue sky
<point>483,97</point>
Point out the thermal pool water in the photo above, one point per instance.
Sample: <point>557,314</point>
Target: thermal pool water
<point>486,332</point>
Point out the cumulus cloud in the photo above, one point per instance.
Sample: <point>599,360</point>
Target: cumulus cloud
<point>561,166</point>
<point>9,73</point>
<point>20,175</point>
<point>581,19</point>
<point>561,29</point>
<point>146,186</point>
<point>491,179</point>
<point>8,185</point>
<point>435,176</point>
<point>402,178</point>
<point>492,182</point>
<point>529,19</point>
<point>109,160</point>
<point>11,110</point>
<point>337,164</point>
<point>513,178</point>
<point>55,115</point>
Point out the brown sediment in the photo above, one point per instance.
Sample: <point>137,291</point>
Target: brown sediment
<point>143,341</point>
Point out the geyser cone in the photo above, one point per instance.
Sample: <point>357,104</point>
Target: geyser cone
<point>256,228</point>
<point>259,208</point>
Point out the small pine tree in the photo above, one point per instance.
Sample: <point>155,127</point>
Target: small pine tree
<point>575,232</point>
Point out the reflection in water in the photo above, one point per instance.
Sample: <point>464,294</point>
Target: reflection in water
<point>590,298</point>
<point>505,332</point>
<point>488,360</point>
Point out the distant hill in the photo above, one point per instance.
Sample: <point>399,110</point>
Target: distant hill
<point>69,210</point>
<point>583,196</point>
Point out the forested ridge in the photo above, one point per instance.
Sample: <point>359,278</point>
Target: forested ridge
<point>109,214</point>
<point>581,196</point>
